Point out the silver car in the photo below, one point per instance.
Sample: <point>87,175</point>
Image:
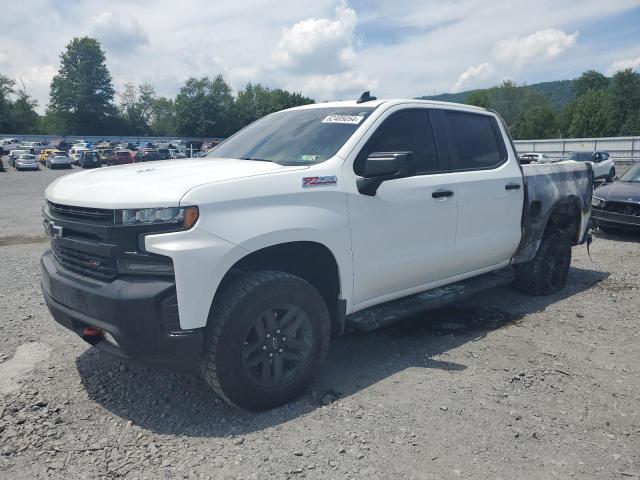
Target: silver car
<point>27,161</point>
<point>58,160</point>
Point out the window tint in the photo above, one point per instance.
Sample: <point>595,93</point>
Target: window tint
<point>403,131</point>
<point>474,141</point>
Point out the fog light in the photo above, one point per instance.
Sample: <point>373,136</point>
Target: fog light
<point>129,267</point>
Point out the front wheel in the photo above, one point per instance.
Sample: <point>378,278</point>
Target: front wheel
<point>611,176</point>
<point>266,339</point>
<point>547,272</point>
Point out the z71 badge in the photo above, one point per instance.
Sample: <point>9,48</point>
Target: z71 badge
<point>319,181</point>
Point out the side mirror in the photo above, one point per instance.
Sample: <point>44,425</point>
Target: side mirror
<point>597,157</point>
<point>383,166</point>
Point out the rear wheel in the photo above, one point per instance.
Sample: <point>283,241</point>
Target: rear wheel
<point>266,339</point>
<point>547,272</point>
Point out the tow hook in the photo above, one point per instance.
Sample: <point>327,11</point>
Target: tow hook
<point>92,335</point>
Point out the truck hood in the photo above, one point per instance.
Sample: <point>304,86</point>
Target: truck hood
<point>153,184</point>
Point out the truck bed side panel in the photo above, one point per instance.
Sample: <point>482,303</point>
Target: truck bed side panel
<point>549,187</point>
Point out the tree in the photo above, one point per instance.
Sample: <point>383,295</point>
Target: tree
<point>204,108</point>
<point>163,118</point>
<point>591,79</point>
<point>479,98</point>
<point>593,115</point>
<point>256,101</point>
<point>538,121</point>
<point>23,117</point>
<point>136,107</point>
<point>6,89</point>
<point>507,100</point>
<point>625,98</point>
<point>81,93</point>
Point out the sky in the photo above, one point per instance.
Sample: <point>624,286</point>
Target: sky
<point>326,49</point>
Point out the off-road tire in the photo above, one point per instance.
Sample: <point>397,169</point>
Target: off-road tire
<point>547,272</point>
<point>240,303</point>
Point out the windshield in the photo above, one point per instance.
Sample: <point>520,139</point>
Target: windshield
<point>632,175</point>
<point>294,137</point>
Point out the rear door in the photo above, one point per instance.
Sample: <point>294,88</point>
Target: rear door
<point>403,237</point>
<point>489,187</point>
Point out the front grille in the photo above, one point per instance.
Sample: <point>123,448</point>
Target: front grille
<point>91,265</point>
<point>623,208</point>
<point>99,216</point>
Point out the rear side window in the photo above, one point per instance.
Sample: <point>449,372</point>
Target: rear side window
<point>403,131</point>
<point>475,141</point>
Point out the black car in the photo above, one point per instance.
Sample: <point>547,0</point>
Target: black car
<point>164,154</point>
<point>617,205</point>
<point>148,155</point>
<point>89,159</point>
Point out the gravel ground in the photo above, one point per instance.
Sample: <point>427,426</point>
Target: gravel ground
<point>499,386</point>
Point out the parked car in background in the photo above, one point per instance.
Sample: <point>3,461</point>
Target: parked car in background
<point>44,154</point>
<point>147,155</point>
<point>8,144</point>
<point>15,153</point>
<point>164,154</point>
<point>60,145</point>
<point>27,161</point>
<point>535,157</point>
<point>33,147</point>
<point>1,165</point>
<point>177,153</point>
<point>602,163</point>
<point>89,159</point>
<point>122,157</point>
<point>105,154</point>
<point>82,144</point>
<point>74,153</point>
<point>58,159</point>
<point>617,205</point>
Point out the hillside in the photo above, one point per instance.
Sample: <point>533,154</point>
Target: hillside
<point>559,93</point>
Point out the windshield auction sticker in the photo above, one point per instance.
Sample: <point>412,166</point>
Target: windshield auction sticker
<point>346,119</point>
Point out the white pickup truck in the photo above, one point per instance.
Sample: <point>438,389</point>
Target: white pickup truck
<point>246,262</point>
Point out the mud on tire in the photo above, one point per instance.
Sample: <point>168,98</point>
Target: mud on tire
<point>547,272</point>
<point>266,339</point>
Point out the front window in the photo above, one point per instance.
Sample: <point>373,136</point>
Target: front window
<point>294,137</point>
<point>632,175</point>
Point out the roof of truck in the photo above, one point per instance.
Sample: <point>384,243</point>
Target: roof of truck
<point>389,102</point>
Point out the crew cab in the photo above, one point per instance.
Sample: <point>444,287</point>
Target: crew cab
<point>8,144</point>
<point>246,262</point>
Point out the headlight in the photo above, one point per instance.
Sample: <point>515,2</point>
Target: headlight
<point>184,217</point>
<point>597,202</point>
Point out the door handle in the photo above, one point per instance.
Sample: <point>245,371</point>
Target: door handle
<point>442,193</point>
<point>512,186</point>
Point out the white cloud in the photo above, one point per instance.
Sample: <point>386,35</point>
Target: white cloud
<point>327,49</point>
<point>118,33</point>
<point>319,44</point>
<point>538,47</point>
<point>633,63</point>
<point>473,73</point>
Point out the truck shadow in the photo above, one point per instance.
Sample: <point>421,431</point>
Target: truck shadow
<point>626,236</point>
<point>181,404</point>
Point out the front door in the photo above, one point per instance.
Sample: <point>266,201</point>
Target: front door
<point>404,236</point>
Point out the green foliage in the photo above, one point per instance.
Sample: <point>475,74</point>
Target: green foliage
<point>81,93</point>
<point>625,99</point>
<point>593,115</point>
<point>6,90</point>
<point>589,80</point>
<point>204,108</point>
<point>479,98</point>
<point>256,101</point>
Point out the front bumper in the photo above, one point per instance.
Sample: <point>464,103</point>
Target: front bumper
<point>613,219</point>
<point>132,309</point>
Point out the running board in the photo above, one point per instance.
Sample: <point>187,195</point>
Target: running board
<point>379,316</point>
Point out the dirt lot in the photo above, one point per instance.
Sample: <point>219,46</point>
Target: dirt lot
<point>499,386</point>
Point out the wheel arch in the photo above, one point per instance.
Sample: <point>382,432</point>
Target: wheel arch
<point>310,260</point>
